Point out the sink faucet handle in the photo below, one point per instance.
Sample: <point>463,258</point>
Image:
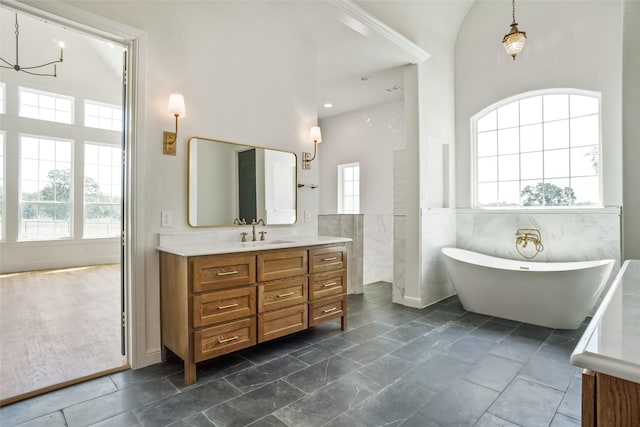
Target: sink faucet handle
<point>262,233</point>
<point>244,235</point>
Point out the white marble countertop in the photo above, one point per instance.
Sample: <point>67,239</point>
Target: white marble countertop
<point>217,247</point>
<point>611,342</point>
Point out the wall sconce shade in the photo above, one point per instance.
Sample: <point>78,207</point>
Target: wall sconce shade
<point>316,137</point>
<point>176,109</point>
<point>513,41</point>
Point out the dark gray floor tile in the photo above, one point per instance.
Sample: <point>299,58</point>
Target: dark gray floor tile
<point>125,419</point>
<point>344,420</point>
<point>527,403</point>
<point>553,373</point>
<point>268,421</point>
<point>488,420</point>
<point>130,377</point>
<point>387,369</point>
<point>439,317</point>
<point>313,354</point>
<point>329,402</point>
<point>437,372</point>
<point>322,373</point>
<point>409,331</point>
<point>366,332</point>
<point>494,330</point>
<point>370,350</point>
<point>557,347</point>
<point>534,332</point>
<point>447,335</point>
<point>472,320</point>
<point>258,376</point>
<point>212,370</point>
<point>336,345</point>
<point>419,420</point>
<point>196,420</point>
<point>419,349</point>
<point>516,348</point>
<point>399,318</point>
<point>55,419</point>
<point>186,404</point>
<point>494,372</point>
<point>571,404</point>
<point>254,405</point>
<point>460,404</point>
<point>275,349</point>
<point>55,401</point>
<point>469,349</point>
<point>564,421</point>
<point>393,405</point>
<point>103,407</point>
<point>452,307</point>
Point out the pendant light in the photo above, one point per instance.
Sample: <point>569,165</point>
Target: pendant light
<point>513,42</point>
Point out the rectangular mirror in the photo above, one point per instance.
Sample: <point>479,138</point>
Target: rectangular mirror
<point>229,180</point>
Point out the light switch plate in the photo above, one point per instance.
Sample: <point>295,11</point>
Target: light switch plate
<point>166,219</point>
<point>307,216</point>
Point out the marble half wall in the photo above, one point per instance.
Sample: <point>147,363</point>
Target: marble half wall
<point>351,226</point>
<point>567,235</point>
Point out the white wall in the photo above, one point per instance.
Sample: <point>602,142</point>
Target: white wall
<point>369,137</point>
<point>244,79</point>
<point>570,44</point>
<point>631,129</point>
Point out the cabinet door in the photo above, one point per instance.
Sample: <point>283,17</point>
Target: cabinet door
<point>327,259</point>
<point>215,272</point>
<point>283,293</point>
<point>222,306</point>
<point>323,285</point>
<point>275,265</point>
<point>278,323</point>
<point>327,309</point>
<point>222,339</point>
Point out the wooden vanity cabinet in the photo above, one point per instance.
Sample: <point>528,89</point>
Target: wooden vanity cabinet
<point>216,304</point>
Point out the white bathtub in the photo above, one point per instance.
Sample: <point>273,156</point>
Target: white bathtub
<point>552,294</point>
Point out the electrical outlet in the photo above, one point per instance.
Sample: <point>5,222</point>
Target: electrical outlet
<point>166,219</point>
<point>307,216</point>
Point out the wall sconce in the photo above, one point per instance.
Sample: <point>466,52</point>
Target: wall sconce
<point>176,108</point>
<point>316,137</point>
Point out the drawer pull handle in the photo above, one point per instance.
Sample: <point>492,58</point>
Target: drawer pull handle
<point>286,294</point>
<point>227,273</point>
<point>328,285</point>
<point>331,258</point>
<point>329,310</point>
<point>233,338</point>
<point>222,307</point>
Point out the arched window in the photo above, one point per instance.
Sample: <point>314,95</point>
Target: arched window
<point>538,149</point>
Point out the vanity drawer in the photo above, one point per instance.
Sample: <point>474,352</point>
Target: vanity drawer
<point>282,264</point>
<point>219,272</point>
<point>277,323</point>
<point>223,339</point>
<point>327,259</point>
<point>327,309</point>
<point>282,293</point>
<point>323,285</point>
<point>222,306</point>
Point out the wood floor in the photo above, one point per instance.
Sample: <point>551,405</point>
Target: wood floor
<point>58,325</point>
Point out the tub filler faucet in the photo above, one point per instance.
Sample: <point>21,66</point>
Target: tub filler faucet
<point>524,236</point>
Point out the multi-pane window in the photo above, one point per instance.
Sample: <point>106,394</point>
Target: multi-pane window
<point>102,116</point>
<point>102,190</point>
<point>36,104</point>
<point>540,150</point>
<point>3,98</point>
<point>349,188</point>
<point>45,188</point>
<point>2,196</point>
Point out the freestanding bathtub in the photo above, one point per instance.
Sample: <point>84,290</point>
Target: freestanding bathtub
<point>553,294</point>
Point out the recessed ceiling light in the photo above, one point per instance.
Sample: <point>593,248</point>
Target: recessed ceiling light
<point>327,105</point>
<point>365,78</point>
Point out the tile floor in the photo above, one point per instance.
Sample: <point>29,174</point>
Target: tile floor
<point>395,366</point>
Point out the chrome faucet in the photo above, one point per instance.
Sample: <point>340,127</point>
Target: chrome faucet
<point>253,224</point>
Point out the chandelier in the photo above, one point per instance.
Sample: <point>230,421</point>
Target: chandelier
<point>513,42</point>
<point>18,67</point>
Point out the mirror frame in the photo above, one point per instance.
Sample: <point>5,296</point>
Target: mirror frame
<point>243,145</point>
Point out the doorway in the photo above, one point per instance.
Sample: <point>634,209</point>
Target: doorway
<point>62,192</point>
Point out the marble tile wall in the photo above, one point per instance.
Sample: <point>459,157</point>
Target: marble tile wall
<point>575,235</point>
<point>378,248</point>
<point>351,226</point>
<point>438,231</point>
<point>399,258</point>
